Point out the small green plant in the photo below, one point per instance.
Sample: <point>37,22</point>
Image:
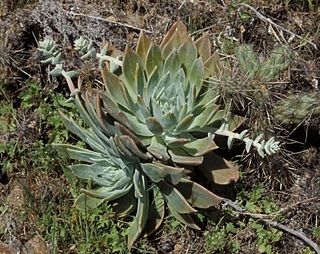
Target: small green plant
<point>151,129</point>
<point>219,239</point>
<point>258,202</point>
<point>265,237</point>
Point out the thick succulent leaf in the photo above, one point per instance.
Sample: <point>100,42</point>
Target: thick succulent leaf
<point>187,53</point>
<point>197,195</point>
<point>135,126</point>
<point>249,63</point>
<point>78,153</point>
<point>196,75</point>
<point>158,148</point>
<point>160,88</point>
<point>157,110</point>
<point>108,193</point>
<point>222,116</point>
<point>102,138</point>
<point>176,35</point>
<point>181,157</point>
<point>154,59</point>
<point>207,96</point>
<point>152,83</point>
<point>140,80</point>
<point>184,124</point>
<point>145,111</point>
<point>130,144</point>
<point>83,134</point>
<point>104,175</point>
<point>157,172</point>
<point>124,205</point>
<point>173,142</point>
<point>141,217</point>
<point>174,198</point>
<point>212,66</point>
<point>109,105</point>
<point>204,46</point>
<point>172,63</point>
<point>130,62</point>
<point>204,117</point>
<point>93,105</point>
<point>168,121</point>
<point>143,46</point>
<point>156,213</point>
<point>84,202</point>
<point>154,126</point>
<point>219,170</point>
<point>186,219</point>
<point>137,178</point>
<point>123,150</point>
<point>125,131</point>
<point>199,147</point>
<point>116,89</point>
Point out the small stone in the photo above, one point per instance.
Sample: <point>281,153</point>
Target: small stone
<point>15,199</point>
<point>36,245</point>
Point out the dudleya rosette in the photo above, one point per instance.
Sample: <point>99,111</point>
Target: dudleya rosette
<point>151,131</point>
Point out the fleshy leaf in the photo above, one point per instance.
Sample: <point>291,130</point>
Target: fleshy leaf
<point>157,172</point>
<point>130,62</point>
<point>154,59</point>
<point>156,213</point>
<point>176,35</point>
<point>181,157</point>
<point>143,46</point>
<point>175,198</point>
<point>212,66</point>
<point>125,205</point>
<point>141,217</point>
<point>154,126</point>
<point>204,46</point>
<point>199,147</point>
<point>186,219</point>
<point>219,170</point>
<point>187,53</point>
<point>196,74</point>
<point>184,124</point>
<point>130,144</point>
<point>84,202</point>
<point>197,195</point>
<point>158,148</point>
<point>116,89</point>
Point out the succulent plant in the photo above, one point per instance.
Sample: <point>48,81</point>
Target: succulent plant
<point>296,108</point>
<point>152,129</point>
<point>263,71</point>
<point>243,78</point>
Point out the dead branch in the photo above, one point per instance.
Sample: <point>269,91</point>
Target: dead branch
<point>108,21</point>
<point>297,234</point>
<point>268,20</point>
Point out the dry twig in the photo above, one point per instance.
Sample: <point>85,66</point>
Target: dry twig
<point>268,20</point>
<point>109,21</point>
<point>297,234</point>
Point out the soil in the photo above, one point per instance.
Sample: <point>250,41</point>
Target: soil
<point>292,178</point>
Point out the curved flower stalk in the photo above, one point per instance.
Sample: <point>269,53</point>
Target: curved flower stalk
<point>262,146</point>
<point>48,48</point>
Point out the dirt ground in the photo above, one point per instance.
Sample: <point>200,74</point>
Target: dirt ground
<point>291,179</point>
